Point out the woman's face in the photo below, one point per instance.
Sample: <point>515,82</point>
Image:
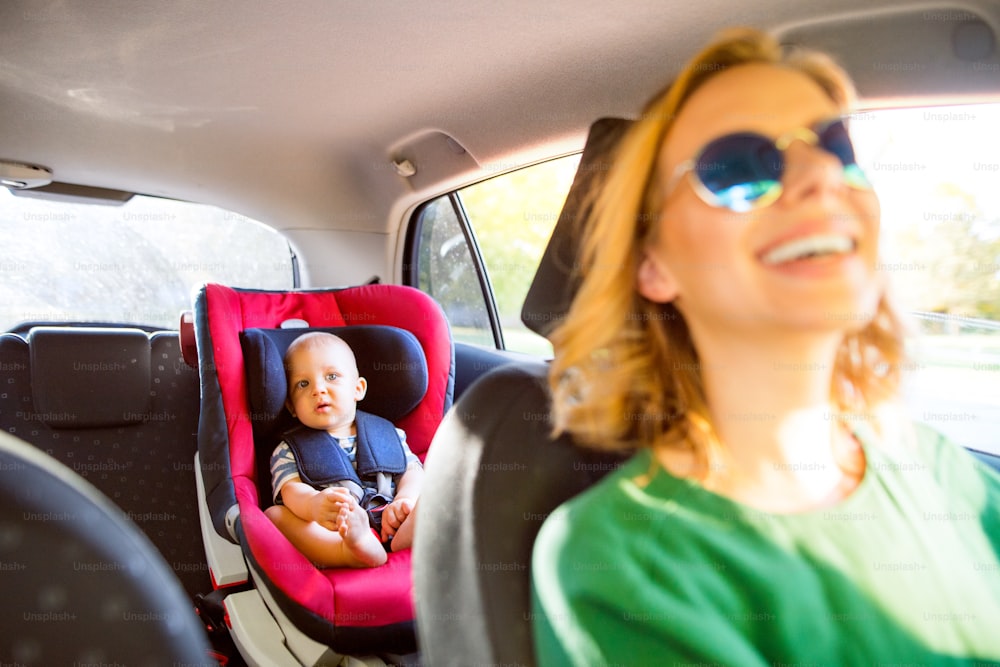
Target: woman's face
<point>721,268</point>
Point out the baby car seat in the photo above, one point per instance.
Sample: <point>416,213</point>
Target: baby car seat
<point>403,345</point>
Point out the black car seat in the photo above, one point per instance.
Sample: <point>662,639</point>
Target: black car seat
<point>81,583</point>
<point>118,406</point>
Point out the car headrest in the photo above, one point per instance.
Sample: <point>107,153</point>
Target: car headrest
<point>83,574</point>
<point>89,377</point>
<point>556,279</point>
<point>390,358</point>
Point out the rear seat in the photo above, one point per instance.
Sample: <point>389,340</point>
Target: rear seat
<point>120,407</point>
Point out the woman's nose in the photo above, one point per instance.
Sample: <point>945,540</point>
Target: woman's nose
<point>810,171</point>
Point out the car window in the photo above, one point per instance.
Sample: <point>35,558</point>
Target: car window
<point>139,262</point>
<point>478,249</point>
<point>936,172</point>
<point>448,269</point>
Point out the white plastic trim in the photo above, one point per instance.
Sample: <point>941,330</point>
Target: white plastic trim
<point>306,650</point>
<point>225,559</point>
<point>232,516</point>
<point>255,633</point>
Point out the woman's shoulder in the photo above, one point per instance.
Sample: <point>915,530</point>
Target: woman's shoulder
<point>954,465</point>
<point>626,512</point>
<point>917,459</point>
<point>921,445</point>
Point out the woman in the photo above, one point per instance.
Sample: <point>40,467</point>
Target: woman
<point>732,328</point>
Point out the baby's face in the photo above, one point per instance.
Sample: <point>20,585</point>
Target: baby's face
<point>324,387</point>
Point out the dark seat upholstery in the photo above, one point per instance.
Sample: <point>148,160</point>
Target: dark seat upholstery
<point>120,408</point>
<point>81,584</point>
<point>495,473</point>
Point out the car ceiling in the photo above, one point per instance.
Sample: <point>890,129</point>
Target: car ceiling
<point>293,113</point>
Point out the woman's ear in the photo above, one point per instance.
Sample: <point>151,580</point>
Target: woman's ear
<point>655,281</point>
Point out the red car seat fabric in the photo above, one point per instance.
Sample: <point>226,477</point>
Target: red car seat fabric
<point>350,610</point>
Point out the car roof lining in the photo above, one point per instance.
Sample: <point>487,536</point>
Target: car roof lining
<point>195,101</point>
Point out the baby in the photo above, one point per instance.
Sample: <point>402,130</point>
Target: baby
<point>317,486</point>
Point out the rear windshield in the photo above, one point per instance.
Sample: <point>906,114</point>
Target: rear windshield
<point>138,263</point>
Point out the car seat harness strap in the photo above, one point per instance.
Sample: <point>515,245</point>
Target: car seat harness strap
<point>322,462</point>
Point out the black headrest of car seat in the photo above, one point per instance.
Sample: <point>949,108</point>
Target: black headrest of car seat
<point>81,583</point>
<point>89,377</point>
<point>390,358</point>
<point>555,281</point>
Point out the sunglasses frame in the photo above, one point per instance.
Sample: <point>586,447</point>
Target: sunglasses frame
<point>808,135</point>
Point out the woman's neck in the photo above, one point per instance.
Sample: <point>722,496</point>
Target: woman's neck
<point>783,446</point>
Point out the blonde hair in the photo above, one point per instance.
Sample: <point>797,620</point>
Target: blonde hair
<point>626,374</point>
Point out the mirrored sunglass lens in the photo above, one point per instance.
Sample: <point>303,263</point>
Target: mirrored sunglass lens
<point>739,169</point>
<point>836,139</point>
<point>856,177</point>
<point>744,196</point>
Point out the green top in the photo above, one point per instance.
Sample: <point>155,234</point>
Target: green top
<point>904,571</point>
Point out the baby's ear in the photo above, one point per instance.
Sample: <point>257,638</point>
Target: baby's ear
<point>289,407</point>
<point>360,389</point>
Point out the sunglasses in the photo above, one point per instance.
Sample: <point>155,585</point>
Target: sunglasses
<point>742,171</point>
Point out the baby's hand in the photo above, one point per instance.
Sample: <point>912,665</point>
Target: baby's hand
<point>326,506</point>
<point>394,515</point>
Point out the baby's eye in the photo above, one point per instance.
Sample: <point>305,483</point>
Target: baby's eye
<point>302,384</point>
<point>330,377</point>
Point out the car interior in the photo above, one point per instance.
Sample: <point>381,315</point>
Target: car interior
<point>187,187</point>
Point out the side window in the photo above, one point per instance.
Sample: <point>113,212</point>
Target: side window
<point>448,270</point>
<point>502,226</point>
<point>935,171</point>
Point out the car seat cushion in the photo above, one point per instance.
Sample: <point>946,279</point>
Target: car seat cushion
<point>365,597</point>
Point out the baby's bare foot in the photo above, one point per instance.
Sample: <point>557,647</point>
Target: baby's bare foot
<point>352,522</point>
<point>359,540</point>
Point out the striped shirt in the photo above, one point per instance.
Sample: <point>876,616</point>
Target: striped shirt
<point>284,468</point>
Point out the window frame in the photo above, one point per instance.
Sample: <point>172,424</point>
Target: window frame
<point>411,261</point>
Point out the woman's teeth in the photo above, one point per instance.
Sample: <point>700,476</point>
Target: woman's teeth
<point>807,247</point>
